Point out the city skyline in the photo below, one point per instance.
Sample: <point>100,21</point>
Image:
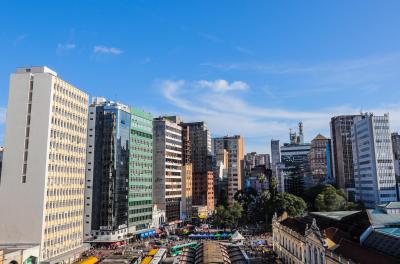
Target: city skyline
<point>268,70</point>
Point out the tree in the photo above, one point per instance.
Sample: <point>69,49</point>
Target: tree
<point>228,217</point>
<point>329,200</point>
<point>292,204</point>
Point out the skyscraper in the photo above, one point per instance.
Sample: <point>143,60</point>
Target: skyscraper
<point>167,188</point>
<point>374,175</point>
<point>342,151</point>
<point>203,182</point>
<point>107,170</point>
<point>140,194</point>
<point>320,160</point>
<point>275,153</point>
<point>234,146</point>
<point>187,174</point>
<point>44,165</point>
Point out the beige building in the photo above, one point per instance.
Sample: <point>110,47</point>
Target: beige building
<point>300,240</point>
<point>234,146</point>
<point>44,165</point>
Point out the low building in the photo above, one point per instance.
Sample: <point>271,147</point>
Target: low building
<point>18,254</point>
<point>309,239</point>
<point>384,232</point>
<point>213,252</point>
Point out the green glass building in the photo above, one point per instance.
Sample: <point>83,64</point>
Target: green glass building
<point>140,199</point>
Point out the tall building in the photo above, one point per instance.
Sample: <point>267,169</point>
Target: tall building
<point>320,160</point>
<point>396,152</point>
<point>263,160</point>
<point>220,170</point>
<point>275,153</point>
<point>187,175</point>
<point>342,151</point>
<point>234,146</point>
<point>140,184</point>
<point>295,168</point>
<point>167,185</point>
<point>203,182</point>
<point>107,170</point>
<point>374,175</point>
<point>1,159</point>
<point>44,165</point>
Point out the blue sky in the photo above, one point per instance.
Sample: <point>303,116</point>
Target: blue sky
<point>254,68</point>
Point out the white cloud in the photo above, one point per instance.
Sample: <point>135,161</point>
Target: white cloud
<point>244,50</point>
<point>66,46</point>
<point>222,85</point>
<point>107,50</point>
<point>227,113</point>
<point>210,37</point>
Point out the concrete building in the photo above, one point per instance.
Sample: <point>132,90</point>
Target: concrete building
<point>107,171</point>
<point>19,254</point>
<point>396,152</point>
<point>320,160</point>
<point>140,194</point>
<point>234,146</point>
<point>220,170</point>
<point>342,151</point>
<point>1,159</point>
<point>275,153</point>
<point>187,175</point>
<point>374,175</point>
<point>203,181</point>
<point>44,165</point>
<point>252,159</point>
<point>167,185</point>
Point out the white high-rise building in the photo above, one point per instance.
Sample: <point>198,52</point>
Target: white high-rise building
<point>275,153</point>
<point>167,190</point>
<point>42,185</point>
<point>374,174</point>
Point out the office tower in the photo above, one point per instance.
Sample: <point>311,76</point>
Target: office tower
<point>107,170</point>
<point>44,165</point>
<point>167,186</point>
<point>220,170</point>
<point>275,153</point>
<point>263,160</point>
<point>140,197</point>
<point>249,163</point>
<point>296,167</point>
<point>396,152</point>
<point>342,151</point>
<point>1,160</point>
<point>203,182</point>
<point>320,160</point>
<point>234,146</point>
<point>187,175</point>
<point>374,175</point>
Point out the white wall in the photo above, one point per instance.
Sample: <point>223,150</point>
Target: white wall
<point>22,204</point>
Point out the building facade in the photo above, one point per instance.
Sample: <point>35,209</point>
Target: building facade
<point>187,174</point>
<point>44,164</point>
<point>320,160</point>
<point>374,175</point>
<point>275,153</point>
<point>203,181</point>
<point>107,170</point>
<point>140,184</point>
<point>342,151</point>
<point>1,159</point>
<point>167,185</point>
<point>234,147</point>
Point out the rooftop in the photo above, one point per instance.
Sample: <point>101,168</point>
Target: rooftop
<point>379,218</point>
<point>336,215</point>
